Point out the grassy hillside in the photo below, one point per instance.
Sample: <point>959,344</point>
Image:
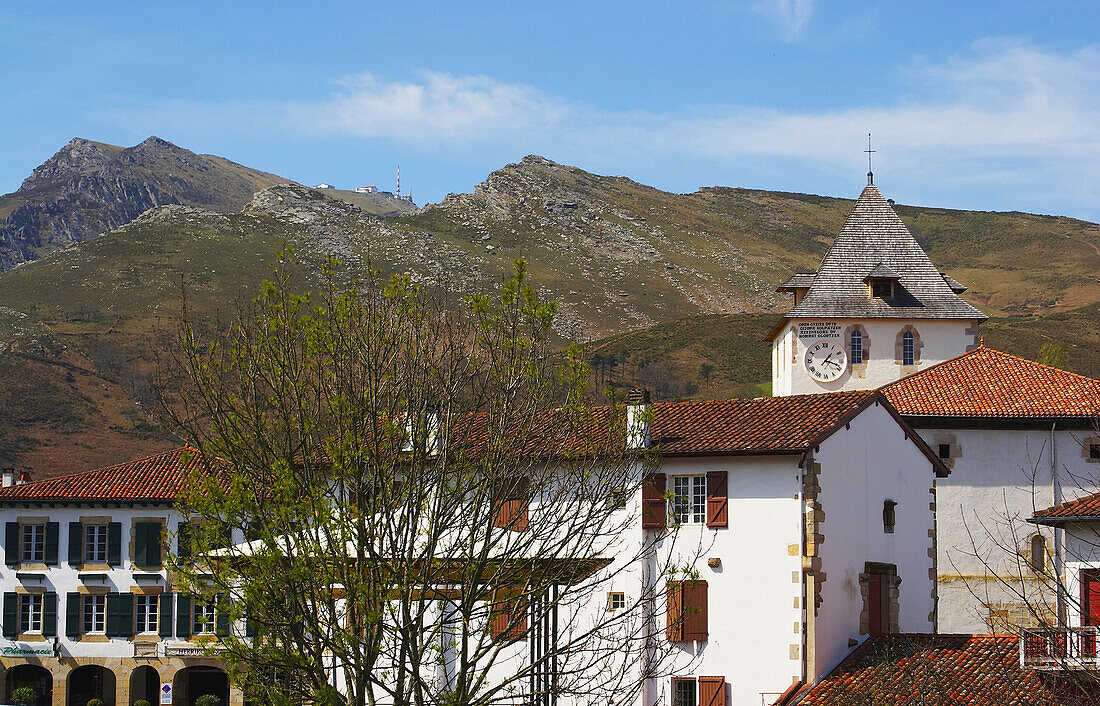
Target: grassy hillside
<point>672,291</point>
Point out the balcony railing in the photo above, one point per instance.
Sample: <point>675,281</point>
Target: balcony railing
<point>1059,648</point>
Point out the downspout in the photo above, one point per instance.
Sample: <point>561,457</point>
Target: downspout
<point>1056,487</point>
<point>808,627</point>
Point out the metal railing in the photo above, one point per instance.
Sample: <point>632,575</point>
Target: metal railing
<point>1060,648</point>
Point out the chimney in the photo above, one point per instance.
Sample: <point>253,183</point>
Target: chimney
<point>24,477</point>
<point>8,475</point>
<point>637,418</point>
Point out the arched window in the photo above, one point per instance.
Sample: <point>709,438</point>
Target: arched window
<point>857,347</point>
<point>1038,553</point>
<point>908,348</point>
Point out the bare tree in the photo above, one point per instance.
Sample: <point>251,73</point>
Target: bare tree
<point>413,505</point>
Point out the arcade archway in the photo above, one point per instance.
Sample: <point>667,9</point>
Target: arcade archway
<point>91,682</point>
<point>34,677</point>
<point>192,682</point>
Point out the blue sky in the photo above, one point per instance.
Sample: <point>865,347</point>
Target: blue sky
<point>972,105</point>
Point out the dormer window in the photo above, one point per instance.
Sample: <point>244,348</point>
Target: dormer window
<point>882,288</point>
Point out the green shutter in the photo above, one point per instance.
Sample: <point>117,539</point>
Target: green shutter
<point>152,546</point>
<point>126,614</point>
<point>72,615</point>
<point>112,615</point>
<point>165,618</point>
<point>50,555</point>
<point>141,543</point>
<point>183,539</point>
<point>76,544</point>
<point>221,616</point>
<point>11,614</point>
<point>183,616</point>
<point>114,544</point>
<point>11,543</point>
<point>49,614</point>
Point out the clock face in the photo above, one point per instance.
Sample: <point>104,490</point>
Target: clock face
<point>825,360</point>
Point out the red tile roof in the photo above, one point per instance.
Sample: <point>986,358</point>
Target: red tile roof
<point>1087,507</point>
<point>934,670</point>
<point>989,383</point>
<point>157,478</point>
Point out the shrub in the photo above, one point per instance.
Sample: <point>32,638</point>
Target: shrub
<point>142,702</point>
<point>24,696</point>
<point>206,700</point>
<point>94,702</point>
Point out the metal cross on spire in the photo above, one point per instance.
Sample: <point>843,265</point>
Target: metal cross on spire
<point>869,151</point>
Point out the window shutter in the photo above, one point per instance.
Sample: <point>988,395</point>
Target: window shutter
<point>712,691</point>
<point>874,605</point>
<point>511,512</point>
<point>221,616</point>
<point>11,544</point>
<point>674,614</point>
<point>49,614</point>
<point>72,615</point>
<point>141,543</point>
<point>717,501</point>
<point>114,544</point>
<point>183,541</point>
<point>49,556</point>
<point>654,511</point>
<point>112,615</point>
<point>509,616</point>
<point>183,616</point>
<point>125,614</point>
<point>695,609</point>
<point>164,619</point>
<point>76,544</point>
<point>11,613</point>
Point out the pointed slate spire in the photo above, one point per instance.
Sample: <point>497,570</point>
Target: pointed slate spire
<point>872,240</point>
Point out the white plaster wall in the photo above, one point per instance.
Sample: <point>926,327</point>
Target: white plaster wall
<point>942,338</point>
<point>860,468</point>
<point>64,578</point>
<point>754,597</point>
<point>999,478</point>
<point>1082,552</point>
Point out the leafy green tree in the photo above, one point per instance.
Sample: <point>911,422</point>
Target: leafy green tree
<point>1051,354</point>
<point>409,489</point>
<point>24,696</point>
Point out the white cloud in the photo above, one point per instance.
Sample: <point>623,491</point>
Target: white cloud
<point>792,16</point>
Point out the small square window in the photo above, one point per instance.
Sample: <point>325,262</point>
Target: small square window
<point>1094,451</point>
<point>685,693</point>
<point>616,499</point>
<point>882,288</point>
<point>616,600</point>
<point>945,450</point>
<point>889,516</point>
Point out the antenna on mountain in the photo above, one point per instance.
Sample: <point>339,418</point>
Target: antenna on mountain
<point>869,151</point>
<point>398,181</point>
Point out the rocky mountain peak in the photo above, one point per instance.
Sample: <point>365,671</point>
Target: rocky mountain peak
<point>79,156</point>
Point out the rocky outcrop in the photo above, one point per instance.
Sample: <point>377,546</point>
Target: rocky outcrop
<point>89,188</point>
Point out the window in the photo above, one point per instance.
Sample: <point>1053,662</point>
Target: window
<point>146,614</point>
<point>690,498</point>
<point>1037,554</point>
<point>908,348</point>
<point>95,544</point>
<point>616,499</point>
<point>888,516</point>
<point>34,543</point>
<point>95,614</point>
<point>616,600</point>
<point>882,288</point>
<point>30,613</point>
<point>1094,451</point>
<point>203,621</point>
<point>945,451</point>
<point>857,347</point>
<point>684,693</point>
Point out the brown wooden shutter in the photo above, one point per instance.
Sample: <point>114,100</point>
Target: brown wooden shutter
<point>717,502</point>
<point>512,501</point>
<point>674,615</point>
<point>712,691</point>
<point>654,512</point>
<point>509,615</point>
<point>695,610</point>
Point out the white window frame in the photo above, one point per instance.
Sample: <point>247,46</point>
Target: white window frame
<point>32,543</point>
<point>855,343</point>
<point>30,613</point>
<point>146,606</point>
<point>689,499</point>
<point>616,600</point>
<point>95,544</point>
<point>908,348</point>
<point>203,617</point>
<point>93,614</point>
